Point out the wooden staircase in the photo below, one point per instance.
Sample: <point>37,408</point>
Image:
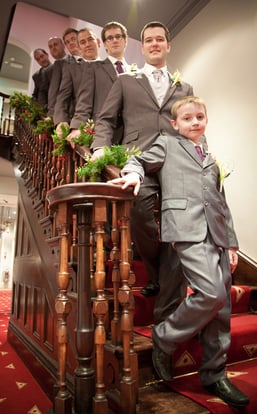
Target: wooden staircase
<point>72,311</point>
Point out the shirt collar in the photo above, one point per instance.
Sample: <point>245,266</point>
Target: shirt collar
<point>113,60</point>
<point>148,69</point>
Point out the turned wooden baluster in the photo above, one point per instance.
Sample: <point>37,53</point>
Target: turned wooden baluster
<point>63,399</point>
<point>115,258</point>
<point>58,175</point>
<point>53,171</point>
<point>84,373</point>
<point>74,245</point>
<point>41,166</point>
<point>100,307</point>
<point>92,264</point>
<point>45,171</point>
<point>128,383</point>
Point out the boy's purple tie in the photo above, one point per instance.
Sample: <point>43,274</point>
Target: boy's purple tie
<point>199,152</point>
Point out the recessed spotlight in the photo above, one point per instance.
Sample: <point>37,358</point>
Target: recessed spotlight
<point>16,65</point>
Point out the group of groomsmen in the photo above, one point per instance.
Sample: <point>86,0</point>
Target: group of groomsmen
<point>125,110</point>
<point>59,86</point>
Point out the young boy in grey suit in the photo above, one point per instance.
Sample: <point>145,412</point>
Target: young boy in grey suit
<point>196,219</point>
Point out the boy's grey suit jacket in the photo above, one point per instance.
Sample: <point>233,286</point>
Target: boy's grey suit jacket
<point>191,203</point>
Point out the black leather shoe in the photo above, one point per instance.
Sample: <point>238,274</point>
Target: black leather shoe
<point>162,363</point>
<point>151,289</point>
<point>227,392</point>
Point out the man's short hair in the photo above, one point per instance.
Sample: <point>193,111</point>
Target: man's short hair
<point>156,24</point>
<point>68,31</point>
<point>114,25</point>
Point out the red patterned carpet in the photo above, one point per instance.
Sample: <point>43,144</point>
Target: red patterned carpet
<point>243,375</point>
<point>19,392</point>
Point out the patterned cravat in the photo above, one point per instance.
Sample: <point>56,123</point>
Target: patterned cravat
<point>199,152</point>
<point>157,75</point>
<point>119,66</point>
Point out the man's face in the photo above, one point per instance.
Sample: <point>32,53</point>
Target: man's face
<point>155,47</point>
<point>70,41</point>
<point>88,45</point>
<point>42,58</point>
<point>56,48</point>
<point>115,46</point>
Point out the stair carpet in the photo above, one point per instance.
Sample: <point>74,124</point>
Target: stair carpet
<point>187,358</point>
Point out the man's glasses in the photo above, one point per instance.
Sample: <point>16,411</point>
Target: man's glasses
<point>111,38</point>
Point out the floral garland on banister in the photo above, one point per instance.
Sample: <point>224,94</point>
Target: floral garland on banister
<point>29,111</point>
<point>116,155</point>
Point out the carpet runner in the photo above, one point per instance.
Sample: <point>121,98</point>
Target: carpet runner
<point>242,374</point>
<point>187,358</point>
<point>19,391</point>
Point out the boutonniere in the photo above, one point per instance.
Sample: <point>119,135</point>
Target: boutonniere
<point>224,171</point>
<point>176,78</point>
<point>133,68</point>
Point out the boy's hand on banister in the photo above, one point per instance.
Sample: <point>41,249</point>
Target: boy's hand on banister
<point>130,179</point>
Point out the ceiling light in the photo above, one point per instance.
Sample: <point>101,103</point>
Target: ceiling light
<point>16,65</point>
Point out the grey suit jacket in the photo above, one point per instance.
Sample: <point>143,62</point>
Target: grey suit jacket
<point>56,81</point>
<point>191,201</point>
<point>42,80</point>
<point>68,91</point>
<point>132,98</point>
<point>96,83</point>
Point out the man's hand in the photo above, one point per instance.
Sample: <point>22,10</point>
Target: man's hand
<point>97,154</point>
<point>73,134</point>
<point>131,179</point>
<point>233,259</point>
<point>59,128</point>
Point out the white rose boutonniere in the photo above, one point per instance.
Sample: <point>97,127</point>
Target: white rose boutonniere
<point>176,78</point>
<point>133,68</point>
<point>225,169</point>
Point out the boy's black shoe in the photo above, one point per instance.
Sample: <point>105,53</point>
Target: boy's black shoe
<point>227,392</point>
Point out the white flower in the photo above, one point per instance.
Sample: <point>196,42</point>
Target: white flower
<point>176,78</point>
<point>133,67</point>
<point>224,171</point>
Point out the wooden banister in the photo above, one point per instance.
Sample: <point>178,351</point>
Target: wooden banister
<point>90,201</point>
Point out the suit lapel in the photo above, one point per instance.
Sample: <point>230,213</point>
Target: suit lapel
<point>190,149</point>
<point>109,69</point>
<point>144,83</point>
<point>170,91</point>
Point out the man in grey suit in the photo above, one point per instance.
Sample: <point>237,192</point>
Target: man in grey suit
<point>98,78</point>
<point>89,45</point>
<point>70,41</point>
<point>196,220</point>
<point>145,106</point>
<point>42,77</point>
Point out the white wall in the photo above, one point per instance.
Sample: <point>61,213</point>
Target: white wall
<point>216,53</point>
